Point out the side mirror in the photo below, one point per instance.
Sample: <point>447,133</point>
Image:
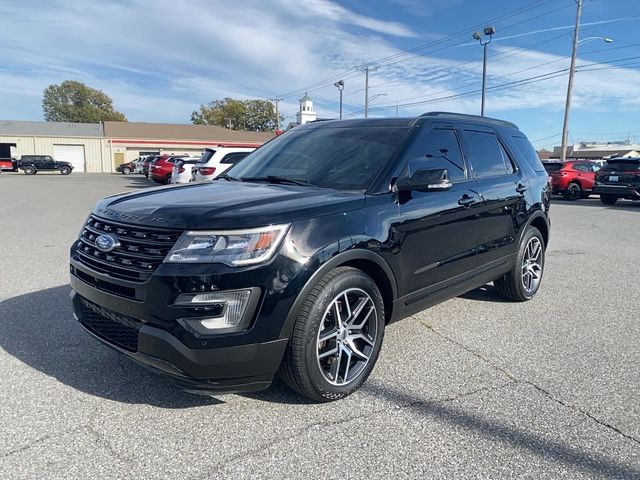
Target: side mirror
<point>424,180</point>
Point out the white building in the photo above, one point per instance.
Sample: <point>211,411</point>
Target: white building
<point>306,113</point>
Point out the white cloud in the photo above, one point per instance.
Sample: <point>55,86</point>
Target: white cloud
<point>160,59</point>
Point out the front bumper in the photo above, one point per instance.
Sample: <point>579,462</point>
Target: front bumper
<point>239,368</point>
<point>241,361</point>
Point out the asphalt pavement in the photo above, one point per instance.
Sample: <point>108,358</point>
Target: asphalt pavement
<point>473,388</point>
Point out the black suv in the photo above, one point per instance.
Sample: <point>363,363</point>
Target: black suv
<point>32,164</point>
<point>296,259</point>
<point>619,178</point>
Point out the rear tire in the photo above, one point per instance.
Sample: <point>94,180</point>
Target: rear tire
<point>166,180</point>
<point>30,170</point>
<point>65,170</point>
<point>523,281</point>
<point>608,199</point>
<point>336,337</point>
<point>572,192</point>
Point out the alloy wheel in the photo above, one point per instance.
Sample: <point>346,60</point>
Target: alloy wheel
<point>532,265</point>
<point>347,336</point>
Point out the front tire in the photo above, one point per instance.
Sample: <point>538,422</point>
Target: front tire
<point>65,170</point>
<point>336,337</point>
<point>126,171</point>
<point>608,199</point>
<point>572,192</point>
<point>522,282</point>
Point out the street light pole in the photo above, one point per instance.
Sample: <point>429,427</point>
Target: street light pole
<point>484,76</point>
<point>489,32</point>
<point>567,105</point>
<point>340,86</point>
<point>366,70</point>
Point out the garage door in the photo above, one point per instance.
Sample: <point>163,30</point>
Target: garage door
<point>70,153</point>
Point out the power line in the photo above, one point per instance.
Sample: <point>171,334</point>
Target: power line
<point>531,6</point>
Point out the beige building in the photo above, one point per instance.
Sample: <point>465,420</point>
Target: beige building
<point>101,147</point>
<point>129,140</point>
<point>82,144</point>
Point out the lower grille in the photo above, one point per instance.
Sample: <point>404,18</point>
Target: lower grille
<point>114,328</point>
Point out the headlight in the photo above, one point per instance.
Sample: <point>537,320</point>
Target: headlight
<point>231,247</point>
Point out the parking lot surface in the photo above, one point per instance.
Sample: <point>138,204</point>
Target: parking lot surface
<point>472,388</point>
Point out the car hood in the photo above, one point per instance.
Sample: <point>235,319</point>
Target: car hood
<point>222,204</point>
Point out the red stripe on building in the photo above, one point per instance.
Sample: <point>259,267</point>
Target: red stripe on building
<point>184,142</point>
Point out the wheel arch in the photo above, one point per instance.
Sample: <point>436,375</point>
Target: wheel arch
<point>541,223</point>
<point>365,260</point>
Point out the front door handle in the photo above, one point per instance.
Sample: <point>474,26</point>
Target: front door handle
<point>466,201</point>
<point>521,188</point>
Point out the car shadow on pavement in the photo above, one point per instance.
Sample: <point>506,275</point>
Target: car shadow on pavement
<point>39,330</point>
<point>590,462</point>
<point>486,293</point>
<point>138,181</point>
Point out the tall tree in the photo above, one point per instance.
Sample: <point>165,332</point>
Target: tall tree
<point>73,101</point>
<point>254,115</point>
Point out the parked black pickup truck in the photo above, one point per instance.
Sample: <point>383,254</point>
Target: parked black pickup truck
<point>32,164</point>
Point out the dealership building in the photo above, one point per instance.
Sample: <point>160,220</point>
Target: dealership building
<point>101,147</point>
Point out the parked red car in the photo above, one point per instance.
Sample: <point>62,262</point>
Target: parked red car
<point>160,170</point>
<point>9,164</point>
<point>572,180</point>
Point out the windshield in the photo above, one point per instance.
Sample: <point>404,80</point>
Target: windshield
<point>343,158</point>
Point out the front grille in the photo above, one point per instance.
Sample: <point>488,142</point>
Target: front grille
<point>140,252</point>
<point>112,327</point>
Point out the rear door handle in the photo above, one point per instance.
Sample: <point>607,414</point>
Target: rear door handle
<point>521,188</point>
<point>466,201</point>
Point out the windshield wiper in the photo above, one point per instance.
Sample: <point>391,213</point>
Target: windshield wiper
<point>228,177</point>
<point>276,179</point>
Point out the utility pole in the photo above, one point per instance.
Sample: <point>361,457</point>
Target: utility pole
<point>277,101</point>
<point>366,71</point>
<point>567,106</point>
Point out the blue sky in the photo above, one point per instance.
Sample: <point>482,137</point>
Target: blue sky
<point>161,59</point>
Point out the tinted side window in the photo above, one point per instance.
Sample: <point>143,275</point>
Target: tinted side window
<point>509,164</point>
<point>484,151</point>
<point>234,158</point>
<point>438,148</point>
<point>528,153</point>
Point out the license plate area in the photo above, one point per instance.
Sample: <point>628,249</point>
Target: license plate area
<point>613,178</point>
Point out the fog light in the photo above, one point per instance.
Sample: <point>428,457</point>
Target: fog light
<point>233,303</point>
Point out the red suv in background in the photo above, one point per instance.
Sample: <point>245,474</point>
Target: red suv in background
<point>572,180</point>
<point>160,170</point>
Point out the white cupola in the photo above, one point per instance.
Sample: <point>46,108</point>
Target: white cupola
<point>306,113</point>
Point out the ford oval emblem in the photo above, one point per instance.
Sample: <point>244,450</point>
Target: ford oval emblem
<point>107,243</point>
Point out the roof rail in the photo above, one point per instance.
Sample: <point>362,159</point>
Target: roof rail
<point>464,116</point>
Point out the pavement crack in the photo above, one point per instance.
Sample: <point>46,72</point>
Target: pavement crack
<point>104,442</point>
<point>486,360</point>
<point>575,408</point>
<point>37,441</point>
<point>245,455</point>
<point>542,390</point>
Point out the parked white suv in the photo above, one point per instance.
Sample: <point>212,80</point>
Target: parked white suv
<point>215,161</point>
<point>181,172</point>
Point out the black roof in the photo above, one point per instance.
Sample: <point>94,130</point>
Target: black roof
<point>408,121</point>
